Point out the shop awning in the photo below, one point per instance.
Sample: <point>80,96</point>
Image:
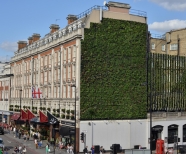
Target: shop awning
<point>36,120</point>
<point>15,116</point>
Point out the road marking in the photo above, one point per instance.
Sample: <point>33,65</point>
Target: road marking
<point>9,141</point>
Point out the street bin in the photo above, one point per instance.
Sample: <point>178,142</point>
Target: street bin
<point>96,148</point>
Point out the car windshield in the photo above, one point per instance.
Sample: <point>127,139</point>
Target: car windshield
<point>1,141</point>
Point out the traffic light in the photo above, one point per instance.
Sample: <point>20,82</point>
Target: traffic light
<point>82,137</point>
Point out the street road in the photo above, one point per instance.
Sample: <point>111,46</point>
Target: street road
<point>10,142</point>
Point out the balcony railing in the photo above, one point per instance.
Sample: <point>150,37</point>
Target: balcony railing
<point>138,13</point>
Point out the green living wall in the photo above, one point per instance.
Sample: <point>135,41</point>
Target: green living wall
<point>167,78</point>
<point>113,67</point>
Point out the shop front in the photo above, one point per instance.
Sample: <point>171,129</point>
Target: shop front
<point>67,132</point>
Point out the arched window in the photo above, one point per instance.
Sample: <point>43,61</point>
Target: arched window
<point>172,131</point>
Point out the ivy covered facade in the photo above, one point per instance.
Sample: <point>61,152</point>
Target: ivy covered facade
<point>113,68</point>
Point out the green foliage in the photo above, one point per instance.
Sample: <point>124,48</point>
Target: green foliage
<point>68,111</point>
<point>63,116</point>
<point>72,111</point>
<point>167,76</point>
<point>113,66</point>
<point>63,110</point>
<point>48,109</point>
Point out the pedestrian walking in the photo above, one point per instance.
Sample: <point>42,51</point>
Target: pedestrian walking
<point>9,129</point>
<point>24,150</point>
<point>20,149</point>
<point>5,151</point>
<point>71,149</point>
<point>24,137</point>
<point>47,148</point>
<point>35,141</point>
<point>68,149</point>
<point>85,150</point>
<point>92,150</point>
<point>27,137</point>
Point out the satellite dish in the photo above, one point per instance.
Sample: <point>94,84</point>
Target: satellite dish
<point>104,3</point>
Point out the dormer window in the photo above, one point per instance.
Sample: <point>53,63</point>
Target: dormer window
<point>50,39</point>
<point>79,24</point>
<point>64,32</point>
<point>74,26</point>
<point>46,41</point>
<point>70,29</point>
<point>60,34</point>
<point>54,37</point>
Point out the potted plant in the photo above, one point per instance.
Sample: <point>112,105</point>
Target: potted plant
<point>63,110</point>
<point>54,110</point>
<point>58,110</point>
<point>63,116</point>
<point>68,111</point>
<point>67,116</point>
<point>48,109</point>
<point>72,117</point>
<point>40,108</point>
<point>72,111</point>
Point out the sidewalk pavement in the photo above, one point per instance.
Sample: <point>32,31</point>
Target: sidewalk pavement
<point>30,146</point>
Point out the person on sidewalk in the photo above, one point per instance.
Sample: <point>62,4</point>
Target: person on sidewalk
<point>5,151</point>
<point>19,133</point>
<point>40,143</point>
<point>35,141</point>
<point>20,149</point>
<point>85,150</point>
<point>27,137</point>
<point>47,148</point>
<point>24,150</point>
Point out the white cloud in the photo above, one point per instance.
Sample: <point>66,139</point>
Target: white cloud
<point>177,5</point>
<point>8,46</point>
<point>168,25</point>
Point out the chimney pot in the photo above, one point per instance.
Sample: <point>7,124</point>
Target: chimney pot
<point>71,18</point>
<point>30,40</point>
<point>54,28</point>
<point>35,37</point>
<point>21,44</point>
<point>118,7</point>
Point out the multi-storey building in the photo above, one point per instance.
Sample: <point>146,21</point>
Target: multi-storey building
<point>167,85</point>
<point>102,52</point>
<point>4,92</point>
<point>171,43</point>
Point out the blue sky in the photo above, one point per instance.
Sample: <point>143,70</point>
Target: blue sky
<point>19,19</point>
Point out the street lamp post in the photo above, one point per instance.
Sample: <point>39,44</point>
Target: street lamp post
<point>75,120</point>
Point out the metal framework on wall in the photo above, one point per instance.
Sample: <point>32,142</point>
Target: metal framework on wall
<point>167,78</point>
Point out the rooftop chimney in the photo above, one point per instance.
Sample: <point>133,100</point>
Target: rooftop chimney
<point>71,18</point>
<point>118,7</point>
<point>35,37</point>
<point>30,40</point>
<point>54,28</point>
<point>21,44</point>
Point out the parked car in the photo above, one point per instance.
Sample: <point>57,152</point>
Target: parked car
<point>1,130</point>
<point>1,144</point>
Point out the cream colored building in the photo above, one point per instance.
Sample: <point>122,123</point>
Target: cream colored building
<point>53,63</point>
<point>172,43</point>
